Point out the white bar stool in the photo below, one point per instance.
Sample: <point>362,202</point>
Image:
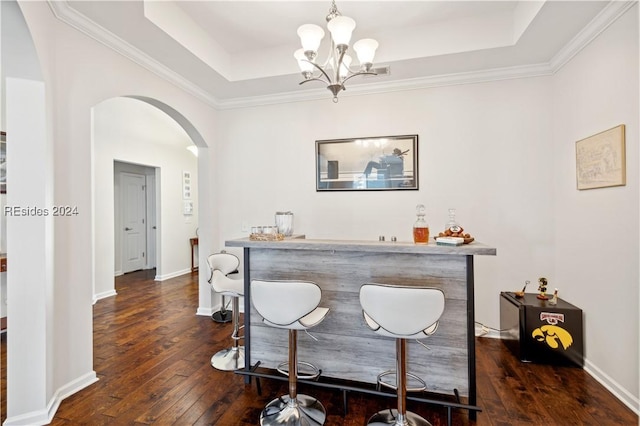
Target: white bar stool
<point>291,305</point>
<point>402,313</point>
<point>222,264</point>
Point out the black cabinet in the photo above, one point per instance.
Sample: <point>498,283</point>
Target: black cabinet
<point>537,331</point>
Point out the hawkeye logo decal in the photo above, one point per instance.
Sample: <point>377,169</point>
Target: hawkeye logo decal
<point>551,334</point>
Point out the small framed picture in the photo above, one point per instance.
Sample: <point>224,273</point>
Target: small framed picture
<point>600,159</point>
<point>186,185</point>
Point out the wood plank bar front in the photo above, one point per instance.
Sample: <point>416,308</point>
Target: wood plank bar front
<point>346,347</point>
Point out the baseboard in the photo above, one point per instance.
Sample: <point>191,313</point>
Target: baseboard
<point>172,275</point>
<point>481,331</point>
<point>44,417</point>
<point>600,376</point>
<point>612,386</point>
<point>104,295</point>
<point>209,311</point>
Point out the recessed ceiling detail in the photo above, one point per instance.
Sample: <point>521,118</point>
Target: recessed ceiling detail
<point>233,54</point>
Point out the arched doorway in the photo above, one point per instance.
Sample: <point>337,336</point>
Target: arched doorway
<point>132,136</point>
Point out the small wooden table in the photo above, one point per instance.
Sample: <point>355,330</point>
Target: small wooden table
<point>194,242</point>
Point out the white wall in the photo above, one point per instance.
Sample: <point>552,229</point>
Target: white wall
<point>503,155</point>
<point>79,73</point>
<point>597,230</point>
<point>135,132</point>
<point>502,136</point>
<point>483,149</point>
<point>18,59</point>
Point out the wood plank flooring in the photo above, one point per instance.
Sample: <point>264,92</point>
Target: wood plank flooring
<point>151,354</point>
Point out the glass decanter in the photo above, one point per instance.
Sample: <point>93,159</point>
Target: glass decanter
<point>452,224</point>
<point>420,228</point>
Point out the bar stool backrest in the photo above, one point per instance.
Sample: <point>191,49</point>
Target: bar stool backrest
<point>401,311</point>
<point>223,262</point>
<point>283,303</point>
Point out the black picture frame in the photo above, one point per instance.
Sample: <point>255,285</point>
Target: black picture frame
<point>378,163</point>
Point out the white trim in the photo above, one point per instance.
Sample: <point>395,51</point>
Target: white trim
<point>209,311</point>
<point>607,16</point>
<point>44,417</point>
<point>600,376</point>
<point>164,277</point>
<point>612,11</point>
<point>68,15</point>
<point>482,76</point>
<point>104,295</point>
<point>612,386</point>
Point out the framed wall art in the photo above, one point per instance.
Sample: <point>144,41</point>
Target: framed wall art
<point>367,164</point>
<point>600,159</point>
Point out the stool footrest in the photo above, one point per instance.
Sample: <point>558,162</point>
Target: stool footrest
<point>380,380</point>
<point>283,368</point>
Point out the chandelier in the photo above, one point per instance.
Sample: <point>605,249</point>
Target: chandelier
<point>335,71</point>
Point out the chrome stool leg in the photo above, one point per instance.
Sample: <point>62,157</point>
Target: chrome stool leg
<point>293,409</point>
<point>232,358</point>
<point>399,416</point>
<point>222,316</point>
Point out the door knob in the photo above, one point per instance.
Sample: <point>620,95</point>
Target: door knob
<point>128,229</point>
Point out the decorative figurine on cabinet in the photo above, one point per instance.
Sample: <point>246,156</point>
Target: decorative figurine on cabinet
<point>520,294</point>
<point>542,288</point>
<point>554,299</point>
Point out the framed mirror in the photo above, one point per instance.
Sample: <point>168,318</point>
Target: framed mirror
<point>367,164</point>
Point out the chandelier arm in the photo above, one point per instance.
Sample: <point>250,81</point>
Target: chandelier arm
<point>313,79</point>
<point>358,73</point>
<point>339,65</point>
<point>322,71</point>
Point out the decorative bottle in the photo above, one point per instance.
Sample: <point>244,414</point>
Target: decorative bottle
<point>452,224</point>
<point>420,228</point>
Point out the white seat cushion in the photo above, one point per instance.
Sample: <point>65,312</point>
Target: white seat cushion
<point>288,304</point>
<point>400,311</point>
<point>224,285</point>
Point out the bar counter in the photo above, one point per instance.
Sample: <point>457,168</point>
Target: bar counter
<point>346,347</point>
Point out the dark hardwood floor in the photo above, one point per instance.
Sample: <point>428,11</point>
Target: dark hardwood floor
<point>151,354</point>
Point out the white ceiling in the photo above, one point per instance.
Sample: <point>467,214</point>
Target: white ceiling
<point>236,52</point>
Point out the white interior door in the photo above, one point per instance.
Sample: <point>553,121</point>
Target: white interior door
<point>133,214</point>
<point>151,221</point>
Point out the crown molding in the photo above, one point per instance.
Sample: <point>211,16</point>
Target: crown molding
<point>80,22</point>
<point>602,21</point>
<point>607,16</point>
<point>471,77</point>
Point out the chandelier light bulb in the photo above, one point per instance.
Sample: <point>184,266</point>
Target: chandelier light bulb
<point>305,66</point>
<point>366,50</point>
<point>341,28</point>
<point>310,36</point>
